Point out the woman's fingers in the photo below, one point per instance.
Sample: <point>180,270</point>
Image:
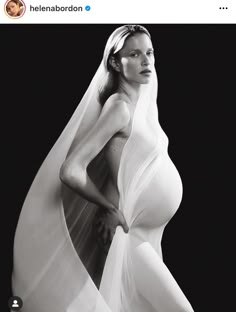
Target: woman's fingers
<point>126,228</point>
<point>112,233</point>
<point>100,227</point>
<point>122,222</point>
<point>105,235</point>
<point>106,226</point>
<point>109,236</point>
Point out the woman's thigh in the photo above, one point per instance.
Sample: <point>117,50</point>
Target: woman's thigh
<point>154,281</point>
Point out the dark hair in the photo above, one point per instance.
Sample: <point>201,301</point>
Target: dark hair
<point>114,44</point>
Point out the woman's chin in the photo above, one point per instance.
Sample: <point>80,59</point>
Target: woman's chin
<point>146,80</point>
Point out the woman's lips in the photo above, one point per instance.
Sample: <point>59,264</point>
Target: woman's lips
<point>145,72</point>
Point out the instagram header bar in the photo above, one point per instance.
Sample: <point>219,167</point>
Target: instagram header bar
<point>108,11</point>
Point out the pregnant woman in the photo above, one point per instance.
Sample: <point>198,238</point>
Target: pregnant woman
<point>89,234</point>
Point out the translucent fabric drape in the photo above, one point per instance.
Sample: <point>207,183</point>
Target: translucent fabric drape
<point>55,250</point>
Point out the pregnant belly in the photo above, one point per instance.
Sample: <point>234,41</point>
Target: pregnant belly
<point>161,197</point>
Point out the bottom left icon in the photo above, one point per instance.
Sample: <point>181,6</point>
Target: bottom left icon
<point>15,303</point>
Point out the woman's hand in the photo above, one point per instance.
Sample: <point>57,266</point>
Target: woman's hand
<point>107,222</point>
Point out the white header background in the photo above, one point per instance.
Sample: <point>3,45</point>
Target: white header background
<point>129,11</point>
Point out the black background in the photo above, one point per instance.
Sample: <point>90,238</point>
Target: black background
<point>45,71</point>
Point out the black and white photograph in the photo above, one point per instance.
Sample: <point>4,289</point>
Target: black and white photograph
<point>117,152</point>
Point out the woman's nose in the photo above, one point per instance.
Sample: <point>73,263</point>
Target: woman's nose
<point>145,60</point>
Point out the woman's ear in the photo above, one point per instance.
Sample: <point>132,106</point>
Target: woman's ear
<point>114,63</point>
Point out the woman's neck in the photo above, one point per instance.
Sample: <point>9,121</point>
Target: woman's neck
<point>131,91</point>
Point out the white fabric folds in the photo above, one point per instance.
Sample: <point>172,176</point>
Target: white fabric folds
<point>55,253</point>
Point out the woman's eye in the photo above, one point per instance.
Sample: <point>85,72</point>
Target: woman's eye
<point>150,52</point>
<point>134,54</point>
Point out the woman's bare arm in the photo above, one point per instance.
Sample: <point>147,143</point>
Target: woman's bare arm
<point>114,117</point>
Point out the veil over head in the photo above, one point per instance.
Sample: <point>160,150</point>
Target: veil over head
<point>55,250</point>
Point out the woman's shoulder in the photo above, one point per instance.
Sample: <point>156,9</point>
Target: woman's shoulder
<point>118,107</point>
<point>117,98</point>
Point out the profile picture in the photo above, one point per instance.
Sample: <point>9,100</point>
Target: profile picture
<point>15,8</point>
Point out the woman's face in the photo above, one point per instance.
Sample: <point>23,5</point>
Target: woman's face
<point>13,8</point>
<point>136,59</point>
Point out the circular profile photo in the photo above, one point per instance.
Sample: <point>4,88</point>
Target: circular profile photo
<point>15,8</point>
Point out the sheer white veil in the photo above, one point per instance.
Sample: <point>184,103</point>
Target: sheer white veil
<point>56,253</point>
